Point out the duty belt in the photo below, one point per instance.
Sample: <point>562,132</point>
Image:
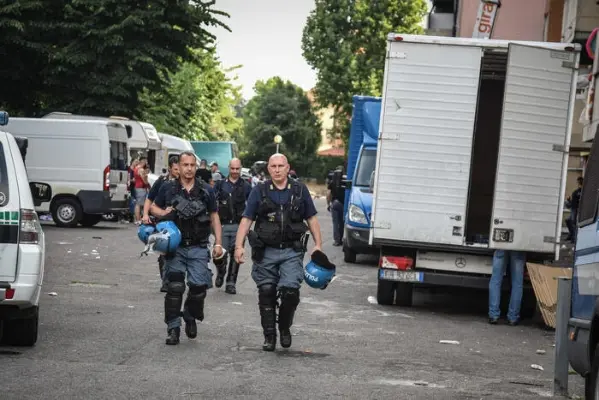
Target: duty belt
<point>286,245</point>
<point>193,242</point>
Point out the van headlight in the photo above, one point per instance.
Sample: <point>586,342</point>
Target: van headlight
<point>357,215</point>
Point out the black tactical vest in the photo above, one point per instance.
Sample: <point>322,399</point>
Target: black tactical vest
<point>280,225</point>
<point>195,230</point>
<point>230,205</point>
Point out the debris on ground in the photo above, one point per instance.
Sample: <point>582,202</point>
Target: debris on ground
<point>449,342</point>
<point>537,367</point>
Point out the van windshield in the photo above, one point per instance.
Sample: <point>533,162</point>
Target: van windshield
<point>365,167</point>
<point>118,156</point>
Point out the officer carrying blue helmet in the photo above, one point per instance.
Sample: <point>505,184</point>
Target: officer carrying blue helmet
<point>189,204</point>
<point>281,208</point>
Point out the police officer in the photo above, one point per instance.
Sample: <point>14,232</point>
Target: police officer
<point>192,205</point>
<point>173,174</point>
<point>279,206</point>
<point>231,196</point>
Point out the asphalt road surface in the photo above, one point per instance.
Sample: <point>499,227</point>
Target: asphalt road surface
<point>102,337</point>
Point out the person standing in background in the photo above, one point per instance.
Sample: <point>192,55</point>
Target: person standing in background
<point>335,201</point>
<point>574,202</point>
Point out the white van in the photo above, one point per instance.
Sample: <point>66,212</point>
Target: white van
<point>143,138</point>
<point>171,145</point>
<point>84,162</point>
<point>22,245</point>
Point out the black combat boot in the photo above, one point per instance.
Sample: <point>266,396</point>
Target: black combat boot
<point>289,303</point>
<point>232,277</point>
<point>221,270</point>
<point>173,336</point>
<point>268,319</point>
<point>191,328</point>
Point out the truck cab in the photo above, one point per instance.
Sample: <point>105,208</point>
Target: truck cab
<point>363,140</point>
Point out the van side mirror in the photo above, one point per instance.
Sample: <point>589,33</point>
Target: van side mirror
<point>3,118</point>
<point>41,192</point>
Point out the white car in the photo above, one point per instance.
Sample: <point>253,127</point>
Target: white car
<point>22,245</point>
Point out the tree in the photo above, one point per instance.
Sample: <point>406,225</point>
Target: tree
<point>281,108</point>
<point>98,55</point>
<point>22,51</point>
<point>199,102</point>
<point>345,42</point>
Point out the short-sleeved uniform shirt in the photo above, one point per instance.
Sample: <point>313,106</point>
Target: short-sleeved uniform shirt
<point>166,194</point>
<point>156,187</point>
<point>279,197</point>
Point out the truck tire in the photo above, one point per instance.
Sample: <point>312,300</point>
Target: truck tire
<point>22,331</point>
<point>90,220</point>
<point>67,212</point>
<point>385,293</point>
<point>403,295</point>
<point>591,383</point>
<point>349,255</point>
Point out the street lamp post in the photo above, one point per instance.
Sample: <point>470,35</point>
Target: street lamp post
<point>278,140</point>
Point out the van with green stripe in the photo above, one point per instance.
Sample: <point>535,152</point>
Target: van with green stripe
<point>22,245</point>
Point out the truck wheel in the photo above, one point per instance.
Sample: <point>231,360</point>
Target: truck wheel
<point>404,294</point>
<point>66,212</point>
<point>22,331</point>
<point>591,383</point>
<point>89,220</point>
<point>349,255</point>
<point>385,293</point>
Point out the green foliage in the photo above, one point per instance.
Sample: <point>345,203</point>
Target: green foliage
<point>96,56</point>
<point>281,108</point>
<point>198,104</point>
<point>345,41</point>
<point>22,51</point>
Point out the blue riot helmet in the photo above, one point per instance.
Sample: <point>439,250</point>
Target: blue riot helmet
<point>319,271</point>
<point>144,232</point>
<point>166,239</point>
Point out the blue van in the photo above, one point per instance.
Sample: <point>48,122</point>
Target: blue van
<point>361,160</point>
<point>221,152</point>
<point>583,325</point>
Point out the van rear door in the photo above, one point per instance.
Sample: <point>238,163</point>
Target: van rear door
<point>535,135</point>
<point>425,143</point>
<point>10,206</point>
<point>117,135</point>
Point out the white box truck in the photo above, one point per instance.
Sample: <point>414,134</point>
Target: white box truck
<point>473,148</point>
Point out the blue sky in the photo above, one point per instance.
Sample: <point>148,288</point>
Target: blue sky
<point>266,39</point>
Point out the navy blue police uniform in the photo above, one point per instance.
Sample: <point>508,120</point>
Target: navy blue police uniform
<point>154,190</point>
<point>191,257</point>
<point>278,248</point>
<point>231,198</point>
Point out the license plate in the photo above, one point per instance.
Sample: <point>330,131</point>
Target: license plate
<point>401,276</point>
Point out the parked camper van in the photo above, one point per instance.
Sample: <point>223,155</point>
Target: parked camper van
<point>472,157</point>
<point>83,161</point>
